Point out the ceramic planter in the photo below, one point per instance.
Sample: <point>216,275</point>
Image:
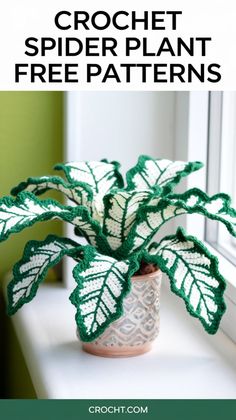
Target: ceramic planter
<point>135,331</point>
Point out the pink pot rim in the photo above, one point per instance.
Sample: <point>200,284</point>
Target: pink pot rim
<point>149,276</point>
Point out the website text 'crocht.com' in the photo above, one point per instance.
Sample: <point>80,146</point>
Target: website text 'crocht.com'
<point>117,409</point>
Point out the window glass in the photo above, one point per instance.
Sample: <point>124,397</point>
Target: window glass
<point>222,164</point>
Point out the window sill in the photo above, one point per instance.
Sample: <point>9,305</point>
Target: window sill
<point>184,363</point>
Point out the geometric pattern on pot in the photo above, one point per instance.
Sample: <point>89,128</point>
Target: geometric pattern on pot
<point>139,323</point>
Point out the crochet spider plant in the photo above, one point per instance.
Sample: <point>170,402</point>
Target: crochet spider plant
<point>119,222</point>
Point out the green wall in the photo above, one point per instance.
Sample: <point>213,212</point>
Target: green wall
<point>31,141</point>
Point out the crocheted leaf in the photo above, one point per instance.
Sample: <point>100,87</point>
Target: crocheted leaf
<point>120,212</point>
<point>79,194</point>
<point>102,284</point>
<point>90,229</point>
<point>148,221</point>
<point>218,207</point>
<point>31,270</point>
<point>26,209</point>
<point>158,211</point>
<point>101,177</point>
<point>194,276</point>
<point>150,172</point>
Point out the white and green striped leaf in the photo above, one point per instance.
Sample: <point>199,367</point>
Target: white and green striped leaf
<point>25,210</point>
<point>120,212</point>
<point>91,230</point>
<point>152,216</point>
<point>31,270</point>
<point>101,177</point>
<point>194,276</point>
<point>148,221</point>
<point>218,207</point>
<point>102,284</point>
<point>162,172</point>
<point>79,194</point>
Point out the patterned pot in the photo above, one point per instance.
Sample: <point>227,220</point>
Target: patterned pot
<point>134,332</point>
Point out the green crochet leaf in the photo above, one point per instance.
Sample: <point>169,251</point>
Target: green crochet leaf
<point>91,230</point>
<point>218,207</point>
<point>25,210</point>
<point>150,172</point>
<point>79,194</point>
<point>151,217</point>
<point>31,270</point>
<point>118,223</point>
<point>120,213</point>
<point>194,276</point>
<point>103,282</point>
<point>100,177</point>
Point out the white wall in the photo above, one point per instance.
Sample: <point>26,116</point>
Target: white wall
<point>120,125</point>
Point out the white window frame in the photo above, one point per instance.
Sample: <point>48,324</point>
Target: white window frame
<point>192,125</point>
<point>221,127</point>
<point>191,145</point>
<point>71,149</point>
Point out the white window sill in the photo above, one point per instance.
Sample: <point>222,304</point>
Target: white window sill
<point>184,363</point>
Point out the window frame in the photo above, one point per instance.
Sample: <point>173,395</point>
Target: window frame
<point>216,234</point>
<point>71,149</point>
<point>193,126</point>
<point>214,149</point>
<point>191,145</point>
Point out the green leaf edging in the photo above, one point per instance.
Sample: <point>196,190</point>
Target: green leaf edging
<point>189,168</point>
<point>69,248</point>
<point>116,165</point>
<point>71,190</point>
<point>89,255</point>
<point>181,199</point>
<point>214,271</point>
